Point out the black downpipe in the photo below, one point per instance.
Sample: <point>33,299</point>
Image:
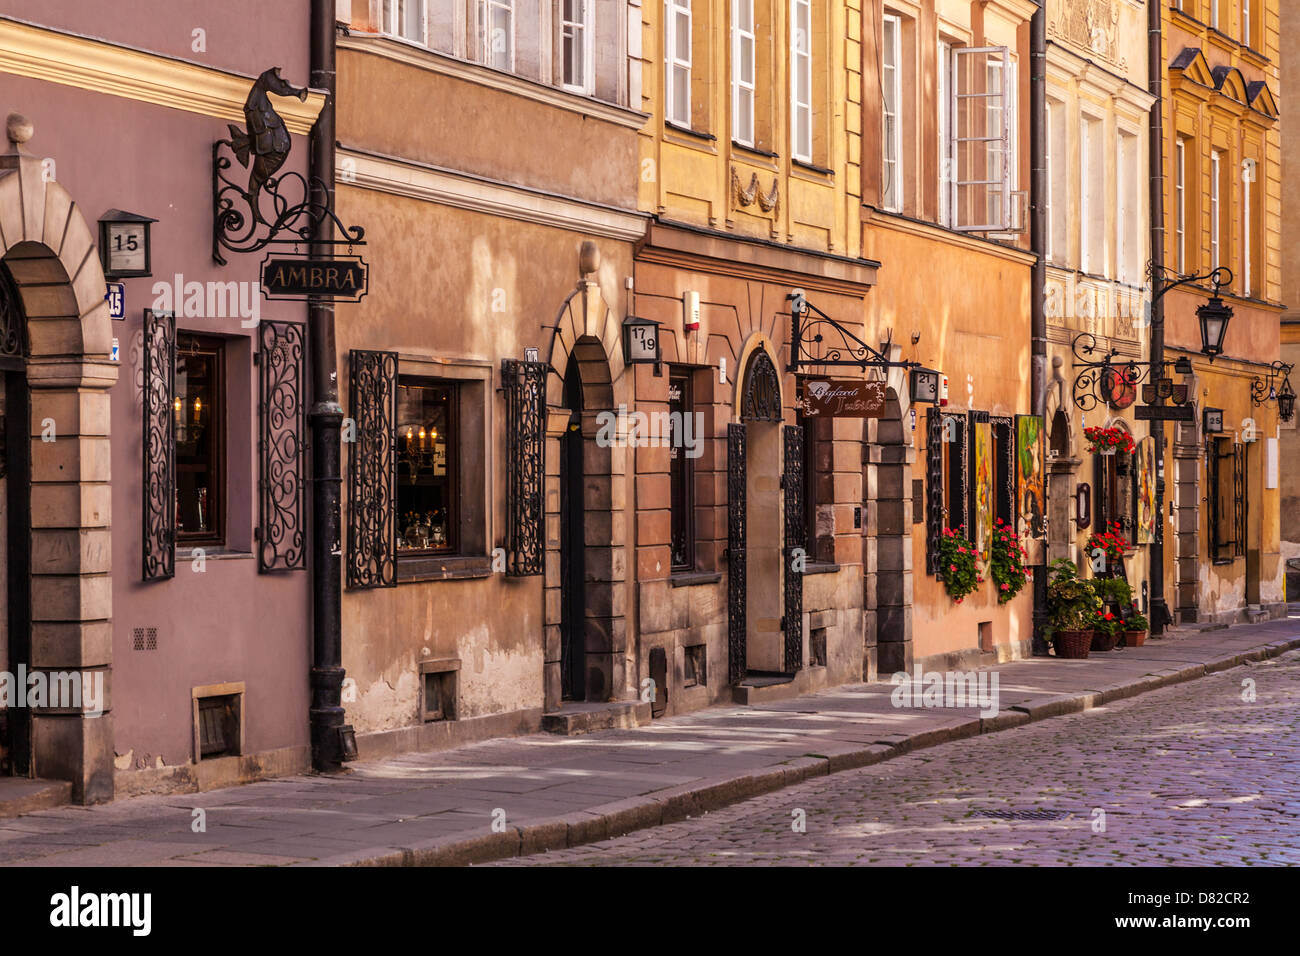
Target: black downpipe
<point>326,419</point>
<point>1038,187</point>
<point>1159,615</point>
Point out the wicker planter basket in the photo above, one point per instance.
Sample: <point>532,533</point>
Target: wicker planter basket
<point>1135,638</point>
<point>1101,641</point>
<point>1072,645</point>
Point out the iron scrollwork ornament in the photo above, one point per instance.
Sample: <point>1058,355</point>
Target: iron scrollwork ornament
<point>283,526</point>
<point>273,207</point>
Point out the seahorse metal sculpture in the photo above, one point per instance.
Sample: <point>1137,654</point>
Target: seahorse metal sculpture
<point>267,140</point>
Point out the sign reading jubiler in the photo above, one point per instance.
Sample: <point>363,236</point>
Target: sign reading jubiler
<point>344,278</point>
<point>825,397</point>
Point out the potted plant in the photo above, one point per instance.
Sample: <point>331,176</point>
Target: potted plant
<point>1112,545</point>
<point>1072,606</point>
<point>1106,630</point>
<point>957,564</point>
<point>1007,562</point>
<point>1106,441</point>
<point>1135,628</point>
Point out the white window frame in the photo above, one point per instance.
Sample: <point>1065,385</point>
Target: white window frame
<point>742,115</point>
<point>943,79</point>
<point>1091,132</point>
<point>391,16</point>
<point>1245,22</point>
<point>1214,14</point>
<point>1216,163</point>
<point>674,12</point>
<point>1049,210</point>
<point>578,33</point>
<point>801,67</point>
<point>1002,143</point>
<point>485,9</point>
<point>891,84</point>
<point>1248,172</point>
<point>1180,205</point>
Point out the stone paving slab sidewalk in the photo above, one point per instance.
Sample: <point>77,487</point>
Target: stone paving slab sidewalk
<point>546,792</point>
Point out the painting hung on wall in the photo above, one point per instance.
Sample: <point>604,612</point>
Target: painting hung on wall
<point>1030,482</point>
<point>983,462</point>
<point>1146,490</point>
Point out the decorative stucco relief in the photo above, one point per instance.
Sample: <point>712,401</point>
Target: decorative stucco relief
<point>1092,25</point>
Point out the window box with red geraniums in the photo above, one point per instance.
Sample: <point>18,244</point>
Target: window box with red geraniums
<point>957,565</point>
<point>1106,440</point>
<point>1111,544</point>
<point>1007,562</point>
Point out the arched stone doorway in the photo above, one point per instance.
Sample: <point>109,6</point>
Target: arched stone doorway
<point>62,356</point>
<point>587,651</point>
<point>765,526</point>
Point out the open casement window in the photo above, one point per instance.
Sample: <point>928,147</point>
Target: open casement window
<point>677,62</point>
<point>525,390</point>
<point>159,441</point>
<point>947,466</point>
<point>282,500</point>
<point>1115,494</point>
<point>372,492</point>
<point>983,139</point>
<point>1226,464</point>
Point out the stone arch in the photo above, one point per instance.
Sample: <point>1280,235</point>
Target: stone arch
<point>588,344</point>
<point>757,343</point>
<point>49,249</point>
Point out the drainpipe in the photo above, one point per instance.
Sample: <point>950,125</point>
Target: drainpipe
<point>1155,156</point>
<point>326,415</point>
<point>1038,187</point>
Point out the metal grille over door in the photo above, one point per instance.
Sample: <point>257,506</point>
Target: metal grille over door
<point>282,531</point>
<point>159,441</point>
<point>1239,493</point>
<point>735,553</point>
<point>933,489</point>
<point>525,388</point>
<point>372,477</point>
<point>792,483</point>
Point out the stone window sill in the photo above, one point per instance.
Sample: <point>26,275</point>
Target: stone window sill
<point>450,567</point>
<point>820,567</point>
<point>685,579</point>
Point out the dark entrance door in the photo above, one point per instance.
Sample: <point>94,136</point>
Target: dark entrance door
<point>573,571</point>
<point>15,523</point>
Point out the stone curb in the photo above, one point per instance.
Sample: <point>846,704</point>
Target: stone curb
<point>674,804</point>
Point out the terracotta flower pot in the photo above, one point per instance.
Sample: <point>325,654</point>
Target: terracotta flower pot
<point>1103,641</point>
<point>1134,638</point>
<point>1072,645</point>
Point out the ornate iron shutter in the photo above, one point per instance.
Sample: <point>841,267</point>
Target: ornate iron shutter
<point>282,516</point>
<point>735,553</point>
<point>372,472</point>
<point>159,441</point>
<point>792,484</point>
<point>525,388</point>
<point>933,488</point>
<point>1239,496</point>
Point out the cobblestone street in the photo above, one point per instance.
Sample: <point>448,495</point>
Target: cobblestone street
<point>1191,774</point>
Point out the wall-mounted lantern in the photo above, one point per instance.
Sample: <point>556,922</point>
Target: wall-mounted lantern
<point>1268,389</point>
<point>124,245</point>
<point>1286,400</point>
<point>925,385</point>
<point>1213,421</point>
<point>1214,317</point>
<point>641,341</point>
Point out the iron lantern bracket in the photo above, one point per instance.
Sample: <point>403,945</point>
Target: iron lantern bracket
<point>810,348</point>
<point>1095,376</point>
<point>1265,389</point>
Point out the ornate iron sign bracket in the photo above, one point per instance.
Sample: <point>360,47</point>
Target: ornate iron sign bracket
<point>280,209</point>
<point>1263,389</point>
<point>809,345</point>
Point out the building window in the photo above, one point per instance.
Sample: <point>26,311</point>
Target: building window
<point>943,102</point>
<point>496,34</point>
<point>1058,179</point>
<point>742,71</point>
<point>1092,197</point>
<point>1214,13</point>
<point>426,462</point>
<point>984,139</point>
<point>1129,218</point>
<point>1180,205</point>
<point>576,45</point>
<point>1247,211</point>
<point>801,119</point>
<point>677,74</point>
<point>199,412</point>
<point>954,449</point>
<point>891,140</point>
<point>1114,491</point>
<point>681,471</point>
<point>1004,470</point>
<point>1216,165</point>
<point>404,19</point>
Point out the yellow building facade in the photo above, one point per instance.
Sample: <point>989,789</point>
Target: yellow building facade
<point>1223,209</point>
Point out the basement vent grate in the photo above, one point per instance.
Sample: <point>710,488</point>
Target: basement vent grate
<point>144,639</point>
<point>1038,813</point>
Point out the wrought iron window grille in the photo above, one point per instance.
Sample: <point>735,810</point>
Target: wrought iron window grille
<point>524,384</point>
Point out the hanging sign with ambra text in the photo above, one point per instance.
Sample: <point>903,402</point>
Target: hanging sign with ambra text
<point>829,398</point>
<point>340,278</point>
